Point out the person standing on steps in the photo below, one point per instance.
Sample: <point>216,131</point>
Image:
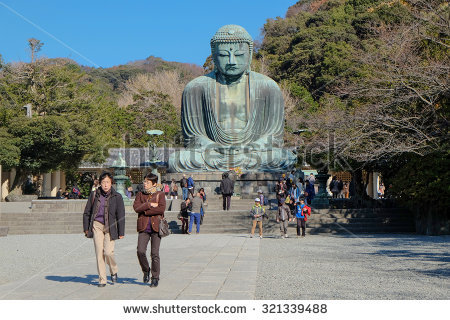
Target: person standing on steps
<point>301,213</point>
<point>104,221</point>
<point>173,190</point>
<point>197,206</point>
<point>205,204</point>
<point>284,217</point>
<point>150,205</point>
<point>184,187</point>
<point>227,189</point>
<point>257,213</point>
<point>184,215</point>
<point>309,193</point>
<point>190,185</point>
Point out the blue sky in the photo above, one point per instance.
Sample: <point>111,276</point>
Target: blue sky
<point>108,33</point>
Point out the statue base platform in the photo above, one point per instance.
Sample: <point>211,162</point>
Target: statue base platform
<point>246,186</point>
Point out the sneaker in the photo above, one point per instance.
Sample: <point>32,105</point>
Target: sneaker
<point>260,237</point>
<point>286,236</point>
<point>251,236</point>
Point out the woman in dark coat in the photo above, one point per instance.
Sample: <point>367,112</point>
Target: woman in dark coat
<point>104,221</point>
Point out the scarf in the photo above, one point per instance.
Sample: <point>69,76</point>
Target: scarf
<point>107,195</point>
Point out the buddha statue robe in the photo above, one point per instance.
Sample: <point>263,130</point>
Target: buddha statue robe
<point>227,126</point>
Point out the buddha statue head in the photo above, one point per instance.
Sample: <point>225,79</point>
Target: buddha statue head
<point>231,49</point>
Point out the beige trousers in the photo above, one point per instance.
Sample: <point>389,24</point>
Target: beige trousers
<point>254,227</point>
<point>104,250</point>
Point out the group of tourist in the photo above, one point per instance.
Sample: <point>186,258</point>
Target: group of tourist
<point>292,189</point>
<point>338,188</point>
<point>104,218</point>
<point>104,221</point>
<point>284,215</point>
<point>192,211</point>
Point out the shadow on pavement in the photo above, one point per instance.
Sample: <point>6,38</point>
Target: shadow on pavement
<point>92,279</point>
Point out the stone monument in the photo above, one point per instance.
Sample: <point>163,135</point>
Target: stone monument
<point>232,117</point>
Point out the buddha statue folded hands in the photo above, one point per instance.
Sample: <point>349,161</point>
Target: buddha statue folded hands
<point>232,117</point>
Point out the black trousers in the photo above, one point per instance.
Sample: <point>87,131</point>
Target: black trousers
<point>301,224</point>
<point>143,239</point>
<point>226,201</point>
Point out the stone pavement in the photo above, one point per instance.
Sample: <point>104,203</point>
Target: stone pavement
<point>192,267</point>
<point>232,266</point>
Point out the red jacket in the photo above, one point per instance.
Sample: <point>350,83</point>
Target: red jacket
<point>307,213</point>
<point>145,211</point>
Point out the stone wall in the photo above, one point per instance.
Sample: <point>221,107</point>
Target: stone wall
<point>247,185</point>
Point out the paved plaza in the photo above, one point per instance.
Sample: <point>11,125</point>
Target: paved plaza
<point>224,266</point>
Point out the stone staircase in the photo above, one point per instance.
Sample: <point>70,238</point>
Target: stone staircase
<point>66,217</point>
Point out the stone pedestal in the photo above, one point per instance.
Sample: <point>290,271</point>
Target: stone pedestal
<point>321,200</point>
<point>248,184</point>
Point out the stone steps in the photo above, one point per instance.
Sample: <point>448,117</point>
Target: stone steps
<point>218,221</point>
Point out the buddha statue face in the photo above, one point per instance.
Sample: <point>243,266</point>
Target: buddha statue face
<point>232,59</point>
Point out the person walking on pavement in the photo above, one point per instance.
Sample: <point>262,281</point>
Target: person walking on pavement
<point>257,213</point>
<point>284,217</point>
<point>301,213</point>
<point>150,205</point>
<point>104,221</point>
<point>190,185</point>
<point>195,216</point>
<point>184,187</point>
<point>227,189</point>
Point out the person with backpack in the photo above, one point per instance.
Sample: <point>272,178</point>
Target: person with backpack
<point>184,187</point>
<point>284,217</point>
<point>302,212</point>
<point>190,185</point>
<point>227,189</point>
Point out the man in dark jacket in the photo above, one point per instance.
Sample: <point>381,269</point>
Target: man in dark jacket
<point>104,220</point>
<point>227,189</point>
